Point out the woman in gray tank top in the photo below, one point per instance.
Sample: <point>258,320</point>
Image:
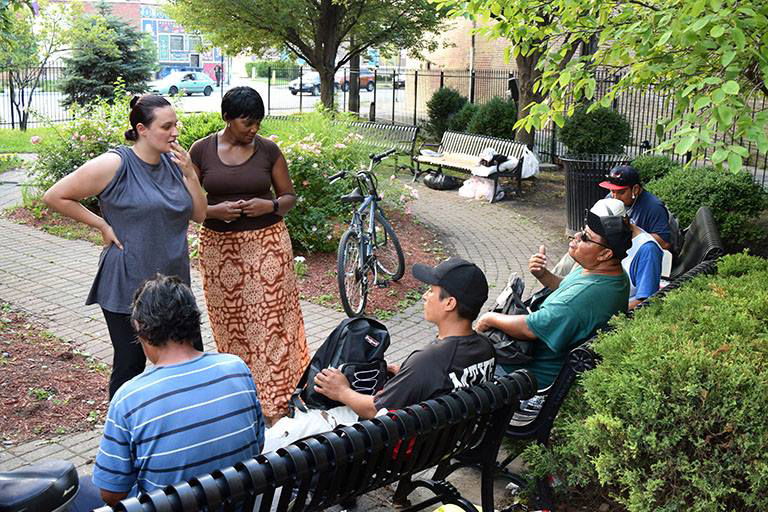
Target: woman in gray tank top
<point>147,195</point>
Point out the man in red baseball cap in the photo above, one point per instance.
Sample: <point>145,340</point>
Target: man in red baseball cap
<point>645,209</point>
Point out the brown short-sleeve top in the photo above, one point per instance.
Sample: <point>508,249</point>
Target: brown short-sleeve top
<point>222,182</point>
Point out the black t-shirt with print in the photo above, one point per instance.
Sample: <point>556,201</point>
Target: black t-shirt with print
<point>444,365</point>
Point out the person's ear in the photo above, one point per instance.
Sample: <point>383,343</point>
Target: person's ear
<point>450,304</point>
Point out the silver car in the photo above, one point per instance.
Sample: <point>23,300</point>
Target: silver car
<point>187,82</point>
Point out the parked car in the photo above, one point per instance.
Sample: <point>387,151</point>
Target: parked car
<point>187,82</point>
<point>367,79</point>
<point>309,82</point>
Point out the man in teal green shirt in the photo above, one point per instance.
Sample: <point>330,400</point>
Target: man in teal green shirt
<point>582,302</point>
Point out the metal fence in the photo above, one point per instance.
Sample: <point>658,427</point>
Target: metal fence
<point>31,96</point>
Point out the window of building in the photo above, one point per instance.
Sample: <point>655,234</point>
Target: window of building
<point>195,43</point>
<point>177,43</point>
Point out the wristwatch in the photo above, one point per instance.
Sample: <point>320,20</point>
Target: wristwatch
<point>275,206</point>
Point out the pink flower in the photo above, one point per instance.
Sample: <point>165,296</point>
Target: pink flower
<point>340,146</point>
<point>272,137</point>
<point>305,183</point>
<point>82,138</point>
<point>35,139</point>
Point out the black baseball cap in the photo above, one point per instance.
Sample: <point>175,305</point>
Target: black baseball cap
<point>621,177</point>
<point>460,278</point>
<point>615,231</point>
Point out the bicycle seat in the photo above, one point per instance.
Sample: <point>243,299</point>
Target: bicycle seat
<point>43,487</point>
<point>353,197</point>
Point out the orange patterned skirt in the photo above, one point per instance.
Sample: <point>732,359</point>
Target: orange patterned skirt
<point>253,306</point>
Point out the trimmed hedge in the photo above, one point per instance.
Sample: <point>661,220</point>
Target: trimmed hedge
<point>442,107</point>
<point>496,118</point>
<point>735,199</point>
<point>462,118</point>
<point>601,131</point>
<point>652,167</point>
<point>673,418</point>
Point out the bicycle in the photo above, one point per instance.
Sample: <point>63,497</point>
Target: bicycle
<point>369,248</point>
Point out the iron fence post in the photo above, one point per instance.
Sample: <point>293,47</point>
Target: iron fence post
<point>269,89</point>
<point>442,78</point>
<point>553,142</point>
<point>415,93</point>
<point>301,87</point>
<point>394,96</point>
<point>10,99</point>
<point>372,111</point>
<point>472,87</point>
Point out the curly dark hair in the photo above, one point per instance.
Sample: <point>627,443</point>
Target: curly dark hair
<point>163,310</point>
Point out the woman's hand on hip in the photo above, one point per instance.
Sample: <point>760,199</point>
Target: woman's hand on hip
<point>182,159</point>
<point>109,237</point>
<point>226,211</point>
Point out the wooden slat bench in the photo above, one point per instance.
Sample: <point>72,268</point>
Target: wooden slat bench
<point>332,468</point>
<point>461,152</point>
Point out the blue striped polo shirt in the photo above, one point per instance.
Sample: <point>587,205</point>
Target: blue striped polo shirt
<point>178,421</point>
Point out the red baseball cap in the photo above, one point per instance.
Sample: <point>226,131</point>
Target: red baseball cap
<point>621,177</point>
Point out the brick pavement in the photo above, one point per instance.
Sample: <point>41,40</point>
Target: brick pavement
<point>49,277</point>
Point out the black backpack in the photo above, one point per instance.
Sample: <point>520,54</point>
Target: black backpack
<point>356,347</point>
<point>511,351</point>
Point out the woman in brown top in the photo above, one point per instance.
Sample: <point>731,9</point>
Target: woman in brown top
<point>245,251</point>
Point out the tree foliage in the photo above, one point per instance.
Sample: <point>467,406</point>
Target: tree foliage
<point>709,58</point>
<point>29,42</point>
<point>313,30</point>
<point>533,30</point>
<point>119,52</point>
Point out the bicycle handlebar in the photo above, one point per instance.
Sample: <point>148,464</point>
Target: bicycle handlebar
<point>337,176</point>
<point>382,156</point>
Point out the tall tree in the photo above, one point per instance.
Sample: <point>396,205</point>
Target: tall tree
<point>29,44</point>
<point>709,58</point>
<point>121,51</point>
<point>533,30</point>
<point>313,30</point>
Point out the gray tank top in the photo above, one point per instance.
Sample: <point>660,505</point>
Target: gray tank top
<point>149,208</point>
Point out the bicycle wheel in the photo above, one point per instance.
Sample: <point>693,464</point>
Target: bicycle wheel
<point>353,283</point>
<point>389,255</point>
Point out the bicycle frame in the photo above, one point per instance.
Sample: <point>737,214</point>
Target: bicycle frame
<point>366,234</point>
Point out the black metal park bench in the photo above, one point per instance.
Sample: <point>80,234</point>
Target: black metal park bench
<point>332,468</point>
<point>461,152</point>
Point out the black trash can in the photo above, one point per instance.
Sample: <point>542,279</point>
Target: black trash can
<point>583,174</point>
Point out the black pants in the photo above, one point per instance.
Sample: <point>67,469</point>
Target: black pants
<point>129,359</point>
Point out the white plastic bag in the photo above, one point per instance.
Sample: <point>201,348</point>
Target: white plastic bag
<point>476,187</point>
<point>530,164</point>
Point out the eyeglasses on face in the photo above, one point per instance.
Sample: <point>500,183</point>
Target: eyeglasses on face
<point>584,237</point>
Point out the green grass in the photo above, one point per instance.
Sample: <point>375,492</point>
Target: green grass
<point>16,141</point>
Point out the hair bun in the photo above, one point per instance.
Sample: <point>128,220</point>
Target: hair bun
<point>134,101</point>
<point>130,134</point>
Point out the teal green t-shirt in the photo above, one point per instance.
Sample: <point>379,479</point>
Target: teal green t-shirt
<point>571,314</point>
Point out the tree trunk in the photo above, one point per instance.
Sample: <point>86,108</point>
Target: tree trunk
<point>354,81</point>
<point>527,76</point>
<point>326,85</point>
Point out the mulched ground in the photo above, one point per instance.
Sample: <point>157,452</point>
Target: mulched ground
<point>47,389</point>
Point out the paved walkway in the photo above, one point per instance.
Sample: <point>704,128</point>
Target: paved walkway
<point>49,277</point>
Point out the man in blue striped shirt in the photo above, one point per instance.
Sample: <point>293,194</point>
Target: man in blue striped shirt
<point>189,414</point>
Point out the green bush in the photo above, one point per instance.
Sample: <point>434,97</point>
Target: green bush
<point>735,199</point>
<point>95,128</point>
<point>10,163</point>
<point>194,127</point>
<point>496,118</point>
<point>601,131</point>
<point>442,107</point>
<point>652,167</point>
<point>673,418</point>
<point>460,121</point>
<point>260,69</point>
<point>316,148</point>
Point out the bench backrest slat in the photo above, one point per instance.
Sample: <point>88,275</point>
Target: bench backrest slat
<point>473,144</point>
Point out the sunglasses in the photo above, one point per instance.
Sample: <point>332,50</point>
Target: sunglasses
<point>584,237</point>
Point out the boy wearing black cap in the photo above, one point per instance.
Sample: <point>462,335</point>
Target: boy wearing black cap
<point>645,209</point>
<point>581,302</point>
<point>458,357</point>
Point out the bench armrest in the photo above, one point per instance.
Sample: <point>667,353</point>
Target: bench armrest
<point>428,145</point>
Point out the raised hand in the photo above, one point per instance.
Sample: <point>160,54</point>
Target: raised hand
<point>537,264</point>
<point>181,158</point>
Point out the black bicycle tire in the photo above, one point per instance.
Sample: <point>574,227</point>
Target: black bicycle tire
<point>348,237</point>
<point>392,236</point>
